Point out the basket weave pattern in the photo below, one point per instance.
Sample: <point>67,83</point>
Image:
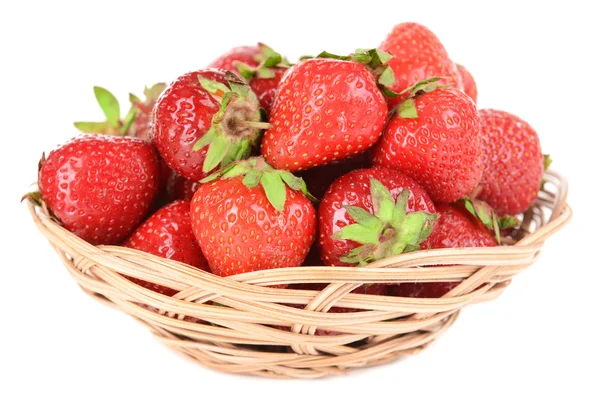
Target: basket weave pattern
<point>244,314</point>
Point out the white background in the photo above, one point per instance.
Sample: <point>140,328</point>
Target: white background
<point>539,61</point>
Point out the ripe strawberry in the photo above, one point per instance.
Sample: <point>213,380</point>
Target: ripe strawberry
<point>326,110</point>
<point>204,119</point>
<point>267,87</point>
<point>141,124</point>
<point>180,188</point>
<point>319,179</point>
<point>168,233</point>
<point>513,161</point>
<point>434,138</point>
<point>249,220</point>
<point>248,55</point>
<point>417,55</point>
<point>470,88</point>
<point>260,66</point>
<point>455,228</point>
<point>100,187</point>
<point>370,214</point>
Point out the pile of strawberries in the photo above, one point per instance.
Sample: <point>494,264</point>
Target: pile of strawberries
<point>254,163</point>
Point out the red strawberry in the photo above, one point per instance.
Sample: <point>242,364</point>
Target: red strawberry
<point>455,228</point>
<point>100,187</point>
<point>249,220</point>
<point>417,55</point>
<point>370,214</point>
<point>180,188</point>
<point>249,55</point>
<point>320,178</point>
<point>434,138</point>
<point>143,116</point>
<point>267,88</point>
<point>513,161</point>
<point>260,65</point>
<point>470,88</point>
<point>204,119</point>
<point>168,233</point>
<point>264,78</point>
<point>326,110</point>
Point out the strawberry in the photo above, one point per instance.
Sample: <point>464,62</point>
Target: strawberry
<point>249,55</point>
<point>260,66</point>
<point>267,87</point>
<point>141,124</point>
<point>248,219</point>
<point>455,228</point>
<point>326,110</point>
<point>434,138</point>
<point>513,162</point>
<point>319,179</point>
<point>100,187</point>
<point>180,188</point>
<point>168,233</point>
<point>417,55</point>
<point>470,87</point>
<point>370,214</point>
<point>204,119</point>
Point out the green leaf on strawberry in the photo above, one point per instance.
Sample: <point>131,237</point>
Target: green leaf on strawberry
<point>109,105</point>
<point>483,212</point>
<point>235,127</point>
<point>375,59</point>
<point>267,59</point>
<point>257,172</point>
<point>408,109</point>
<point>389,231</point>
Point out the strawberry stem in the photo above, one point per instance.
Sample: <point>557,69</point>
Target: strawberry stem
<point>255,124</point>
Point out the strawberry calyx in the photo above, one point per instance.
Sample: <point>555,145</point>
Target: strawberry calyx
<point>375,59</point>
<point>151,94</point>
<point>236,127</point>
<point>408,109</point>
<point>484,213</point>
<point>114,125</point>
<point>268,59</point>
<point>256,172</point>
<point>388,231</point>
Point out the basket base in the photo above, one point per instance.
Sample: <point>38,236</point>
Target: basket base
<point>282,362</point>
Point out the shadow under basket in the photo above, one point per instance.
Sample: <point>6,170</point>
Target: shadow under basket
<point>241,325</point>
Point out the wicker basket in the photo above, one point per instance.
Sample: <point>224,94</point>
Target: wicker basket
<point>242,332</point>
